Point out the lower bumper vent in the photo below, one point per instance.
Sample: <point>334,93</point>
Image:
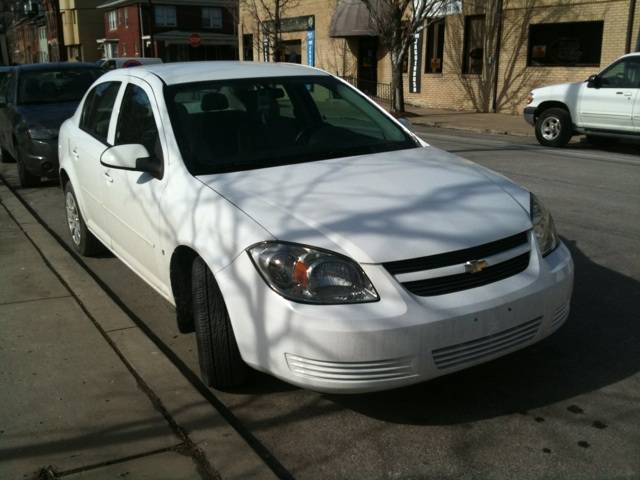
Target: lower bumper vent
<point>392,369</point>
<point>474,350</point>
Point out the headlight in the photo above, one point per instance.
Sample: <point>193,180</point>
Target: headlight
<point>41,133</point>
<point>543,226</point>
<point>304,274</point>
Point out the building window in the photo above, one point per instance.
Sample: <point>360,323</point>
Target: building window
<point>165,15</point>
<point>110,50</point>
<point>291,51</point>
<point>211,17</point>
<point>247,47</point>
<point>113,19</point>
<point>435,47</point>
<point>573,44</point>
<point>473,44</point>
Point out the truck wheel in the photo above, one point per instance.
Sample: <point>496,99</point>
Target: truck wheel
<point>221,365</point>
<point>554,128</point>
<point>83,241</point>
<point>27,179</point>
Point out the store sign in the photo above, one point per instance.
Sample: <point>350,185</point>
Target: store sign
<point>415,63</point>
<point>311,54</point>
<point>293,24</point>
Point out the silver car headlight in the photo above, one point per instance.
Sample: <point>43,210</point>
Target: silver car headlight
<point>543,227</point>
<point>309,275</point>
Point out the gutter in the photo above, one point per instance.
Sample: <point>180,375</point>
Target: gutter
<point>632,13</point>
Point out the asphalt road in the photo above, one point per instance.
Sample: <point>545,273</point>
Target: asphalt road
<point>568,407</point>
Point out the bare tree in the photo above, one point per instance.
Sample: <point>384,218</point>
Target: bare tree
<point>396,22</point>
<point>268,15</point>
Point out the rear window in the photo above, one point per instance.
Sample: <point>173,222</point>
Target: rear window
<point>55,86</point>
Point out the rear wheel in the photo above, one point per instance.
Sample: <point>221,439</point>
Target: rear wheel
<point>554,128</point>
<point>83,241</point>
<point>27,179</point>
<point>221,365</point>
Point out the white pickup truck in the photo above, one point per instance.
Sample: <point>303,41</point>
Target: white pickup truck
<point>606,105</point>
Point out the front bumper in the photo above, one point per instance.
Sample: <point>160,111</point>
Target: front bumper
<point>400,340</point>
<point>41,157</point>
<point>530,115</point>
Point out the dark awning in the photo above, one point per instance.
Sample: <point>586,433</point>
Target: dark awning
<point>351,19</point>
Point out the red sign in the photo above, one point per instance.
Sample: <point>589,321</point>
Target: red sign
<point>195,40</point>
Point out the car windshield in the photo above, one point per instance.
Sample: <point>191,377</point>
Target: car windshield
<point>232,125</point>
<point>55,86</point>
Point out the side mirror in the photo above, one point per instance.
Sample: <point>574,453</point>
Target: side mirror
<point>593,81</point>
<point>406,123</point>
<point>133,157</point>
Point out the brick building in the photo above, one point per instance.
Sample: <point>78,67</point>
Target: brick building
<point>174,30</point>
<point>81,25</point>
<point>540,42</point>
<point>53,23</point>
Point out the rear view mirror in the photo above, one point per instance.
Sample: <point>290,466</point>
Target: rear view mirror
<point>593,81</point>
<point>133,157</point>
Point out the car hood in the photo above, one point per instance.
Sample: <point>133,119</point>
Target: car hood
<point>47,115</point>
<point>381,207</point>
<point>557,89</point>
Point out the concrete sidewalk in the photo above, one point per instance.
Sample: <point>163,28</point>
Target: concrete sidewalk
<point>84,393</point>
<point>493,123</point>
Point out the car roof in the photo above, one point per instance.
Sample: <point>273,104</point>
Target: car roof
<point>34,67</point>
<point>186,72</point>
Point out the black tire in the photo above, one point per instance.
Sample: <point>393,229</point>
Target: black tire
<point>85,243</point>
<point>221,365</point>
<point>27,179</point>
<point>554,127</point>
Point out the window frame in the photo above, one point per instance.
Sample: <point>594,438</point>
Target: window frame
<point>112,20</point>
<point>441,33</point>
<point>465,52</point>
<point>114,107</point>
<point>165,8</point>
<point>148,91</point>
<point>562,65</point>
<point>206,19</point>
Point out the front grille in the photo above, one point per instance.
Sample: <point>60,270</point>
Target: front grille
<point>451,281</point>
<point>474,350</point>
<point>391,369</point>
<point>457,256</point>
<point>463,281</point>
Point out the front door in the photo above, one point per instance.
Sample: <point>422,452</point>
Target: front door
<point>608,104</point>
<point>368,65</point>
<point>132,202</point>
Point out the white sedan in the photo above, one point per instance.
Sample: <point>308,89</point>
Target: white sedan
<point>302,231</point>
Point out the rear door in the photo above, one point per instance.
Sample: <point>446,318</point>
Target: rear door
<point>610,106</point>
<point>86,145</point>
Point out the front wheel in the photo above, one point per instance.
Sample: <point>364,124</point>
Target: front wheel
<point>554,128</point>
<point>83,241</point>
<point>221,365</point>
<point>27,179</point>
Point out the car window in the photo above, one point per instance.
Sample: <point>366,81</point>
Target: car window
<point>55,86</point>
<point>136,123</point>
<point>242,124</point>
<point>96,112</point>
<point>624,74</point>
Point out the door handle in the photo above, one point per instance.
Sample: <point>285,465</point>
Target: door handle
<point>75,154</point>
<point>108,177</point>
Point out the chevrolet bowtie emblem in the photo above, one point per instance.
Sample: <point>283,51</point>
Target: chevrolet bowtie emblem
<point>475,266</point>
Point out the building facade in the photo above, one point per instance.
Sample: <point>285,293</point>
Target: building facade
<point>82,24</point>
<point>469,58</point>
<point>176,30</point>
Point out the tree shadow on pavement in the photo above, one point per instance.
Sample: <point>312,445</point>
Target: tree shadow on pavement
<point>598,346</point>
